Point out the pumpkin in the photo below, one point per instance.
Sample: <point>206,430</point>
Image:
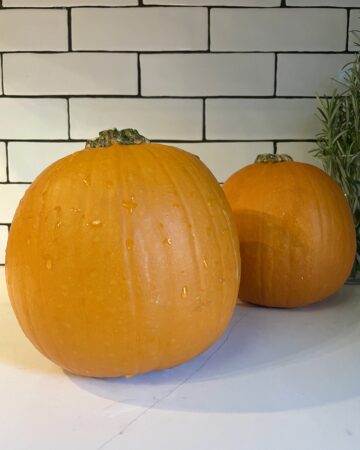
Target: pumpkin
<point>123,258</point>
<point>296,232</point>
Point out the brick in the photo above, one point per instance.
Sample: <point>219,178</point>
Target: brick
<point>45,3</point>
<point>140,29</point>
<point>40,29</point>
<point>268,3</point>
<point>154,118</point>
<point>310,74</point>
<point>354,25</point>
<point>285,29</point>
<point>4,298</point>
<point>33,118</point>
<point>28,159</point>
<point>342,3</point>
<point>3,241</point>
<point>300,151</point>
<point>72,73</point>
<point>10,195</point>
<point>207,74</point>
<point>2,162</point>
<point>224,158</point>
<point>261,119</point>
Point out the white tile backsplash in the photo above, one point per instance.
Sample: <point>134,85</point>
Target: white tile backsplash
<point>267,3</point>
<point>224,158</point>
<point>2,162</point>
<point>28,159</point>
<point>354,25</point>
<point>4,298</point>
<point>143,29</point>
<point>261,119</point>
<point>57,3</point>
<point>154,118</point>
<point>220,78</point>
<point>10,195</point>
<point>300,151</point>
<point>3,240</point>
<point>76,74</point>
<point>283,29</point>
<point>309,74</point>
<point>207,74</point>
<point>33,30</point>
<point>340,3</point>
<point>33,118</point>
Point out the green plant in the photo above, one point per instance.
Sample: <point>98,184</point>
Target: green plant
<point>339,142</point>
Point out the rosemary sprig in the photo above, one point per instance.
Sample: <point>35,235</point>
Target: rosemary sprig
<point>338,143</point>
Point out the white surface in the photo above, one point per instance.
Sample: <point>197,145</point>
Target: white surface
<point>273,29</point>
<point>69,2</point>
<point>277,380</point>
<point>28,159</point>
<point>76,73</point>
<point>354,25</point>
<point>2,162</point>
<point>3,240</point>
<point>207,74</point>
<point>268,118</point>
<point>310,74</point>
<point>155,118</point>
<point>33,118</point>
<point>140,29</point>
<point>10,195</point>
<point>33,30</point>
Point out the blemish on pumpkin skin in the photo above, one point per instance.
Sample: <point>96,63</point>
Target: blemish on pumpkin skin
<point>48,264</point>
<point>86,182</point>
<point>75,210</point>
<point>58,224</point>
<point>129,244</point>
<point>167,241</point>
<point>130,205</point>
<point>96,223</point>
<point>205,264</point>
<point>184,292</point>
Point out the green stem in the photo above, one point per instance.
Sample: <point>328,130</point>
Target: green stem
<point>128,136</point>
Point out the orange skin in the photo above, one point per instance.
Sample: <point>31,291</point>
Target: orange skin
<point>123,260</point>
<point>296,232</point>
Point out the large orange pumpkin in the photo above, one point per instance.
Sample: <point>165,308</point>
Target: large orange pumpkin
<point>123,259</point>
<point>297,236</point>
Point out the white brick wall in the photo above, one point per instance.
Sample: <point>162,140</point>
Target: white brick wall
<point>205,74</point>
<point>76,74</point>
<point>354,25</point>
<point>28,159</point>
<point>33,118</point>
<point>140,29</point>
<point>3,239</point>
<point>278,29</point>
<point>2,162</point>
<point>27,30</point>
<point>225,79</point>
<point>250,119</point>
<point>309,74</point>
<point>10,195</point>
<point>4,298</point>
<point>43,3</point>
<point>231,154</point>
<point>156,118</point>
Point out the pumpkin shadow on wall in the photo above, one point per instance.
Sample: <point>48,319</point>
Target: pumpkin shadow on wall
<point>268,360</point>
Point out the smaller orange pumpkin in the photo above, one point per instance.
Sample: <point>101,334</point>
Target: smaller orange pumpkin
<point>296,232</point>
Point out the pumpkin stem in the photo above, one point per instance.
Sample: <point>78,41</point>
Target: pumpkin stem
<point>271,158</point>
<point>114,136</point>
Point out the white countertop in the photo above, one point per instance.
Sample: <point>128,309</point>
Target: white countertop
<point>277,380</point>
